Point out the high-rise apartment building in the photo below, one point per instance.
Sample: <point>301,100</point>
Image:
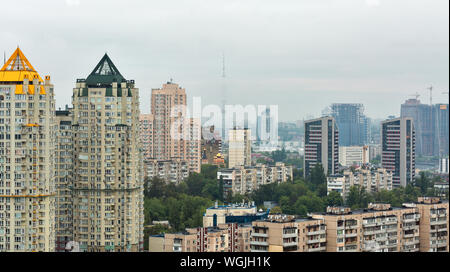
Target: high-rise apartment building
<point>108,175</point>
<point>441,142</point>
<point>27,161</point>
<point>398,150</point>
<point>239,147</point>
<point>321,145</point>
<point>352,123</point>
<point>64,178</point>
<point>175,135</point>
<point>211,145</point>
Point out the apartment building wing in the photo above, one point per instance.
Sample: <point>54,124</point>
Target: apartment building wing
<point>285,233</point>
<point>434,224</point>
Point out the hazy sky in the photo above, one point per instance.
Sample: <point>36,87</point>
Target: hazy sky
<point>299,54</point>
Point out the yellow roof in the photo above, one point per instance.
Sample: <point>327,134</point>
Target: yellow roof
<point>17,68</point>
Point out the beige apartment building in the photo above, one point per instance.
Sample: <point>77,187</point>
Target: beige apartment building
<point>246,179</point>
<point>174,134</point>
<point>223,238</point>
<point>239,147</point>
<point>284,233</point>
<point>433,224</point>
<point>379,228</point>
<point>146,135</point>
<point>373,180</point>
<point>108,174</point>
<point>27,161</point>
<point>64,178</point>
<point>174,171</point>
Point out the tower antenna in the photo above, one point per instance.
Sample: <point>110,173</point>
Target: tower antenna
<point>431,95</point>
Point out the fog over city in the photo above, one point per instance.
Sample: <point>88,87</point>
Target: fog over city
<point>301,55</point>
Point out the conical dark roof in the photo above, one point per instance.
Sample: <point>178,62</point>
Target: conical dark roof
<point>105,73</point>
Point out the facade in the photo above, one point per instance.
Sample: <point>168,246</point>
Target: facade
<point>379,228</point>
<point>108,175</point>
<point>146,135</point>
<point>398,150</point>
<point>174,134</point>
<point>242,180</point>
<point>174,171</point>
<point>64,178</point>
<point>284,233</point>
<point>353,125</point>
<point>27,160</point>
<point>374,151</point>
<point>321,145</point>
<point>239,147</point>
<point>223,238</point>
<point>433,224</point>
<point>373,180</point>
<point>353,155</point>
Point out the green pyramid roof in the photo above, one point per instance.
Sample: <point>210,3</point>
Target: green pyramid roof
<point>105,73</point>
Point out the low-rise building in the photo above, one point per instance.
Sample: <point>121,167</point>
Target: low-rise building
<point>231,237</point>
<point>234,213</point>
<point>353,155</point>
<point>246,179</point>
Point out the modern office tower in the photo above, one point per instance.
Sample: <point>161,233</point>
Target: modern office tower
<point>353,155</point>
<point>108,178</point>
<point>321,145</point>
<point>263,126</point>
<point>441,142</point>
<point>433,224</point>
<point>175,136</point>
<point>353,125</point>
<point>239,147</point>
<point>64,178</point>
<point>398,150</point>
<point>285,233</point>
<point>27,161</point>
<point>146,135</point>
<point>423,118</point>
<point>246,179</point>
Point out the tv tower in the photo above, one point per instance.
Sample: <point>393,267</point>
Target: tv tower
<point>224,89</point>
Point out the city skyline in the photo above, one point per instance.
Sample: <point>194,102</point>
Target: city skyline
<point>173,41</point>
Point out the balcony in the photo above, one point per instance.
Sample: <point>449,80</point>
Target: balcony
<point>319,232</point>
<point>290,235</point>
<point>317,249</point>
<point>258,234</point>
<point>258,250</point>
<point>289,244</point>
<point>350,235</point>
<point>259,243</point>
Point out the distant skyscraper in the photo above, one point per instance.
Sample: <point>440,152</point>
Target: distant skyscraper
<point>27,160</point>
<point>353,125</point>
<point>239,147</point>
<point>108,172</point>
<point>425,125</point>
<point>321,145</point>
<point>146,135</point>
<point>441,142</point>
<point>398,149</point>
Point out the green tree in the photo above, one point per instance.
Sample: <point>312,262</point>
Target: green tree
<point>334,199</point>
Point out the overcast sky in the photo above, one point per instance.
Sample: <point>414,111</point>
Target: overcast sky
<point>301,55</point>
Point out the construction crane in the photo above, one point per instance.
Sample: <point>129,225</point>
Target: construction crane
<point>431,95</point>
<point>416,95</point>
